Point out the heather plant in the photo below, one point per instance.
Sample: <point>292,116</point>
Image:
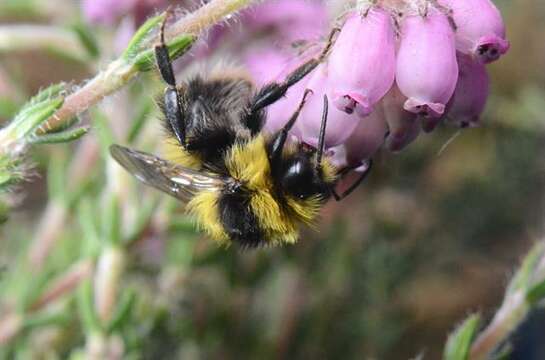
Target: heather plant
<point>98,267</point>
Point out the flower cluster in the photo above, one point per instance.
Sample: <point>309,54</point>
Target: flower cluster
<point>396,69</point>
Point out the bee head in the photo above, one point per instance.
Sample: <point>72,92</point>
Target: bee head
<point>301,178</point>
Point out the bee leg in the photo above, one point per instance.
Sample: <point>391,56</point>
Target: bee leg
<point>343,172</point>
<point>321,138</point>
<point>172,101</point>
<point>277,145</point>
<point>274,91</point>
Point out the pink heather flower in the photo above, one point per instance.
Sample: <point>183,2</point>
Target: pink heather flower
<point>367,138</point>
<point>340,125</point>
<point>270,64</point>
<point>362,61</point>
<point>403,125</point>
<point>480,29</point>
<point>289,20</point>
<point>471,93</point>
<point>426,70</point>
<point>266,64</point>
<point>107,12</point>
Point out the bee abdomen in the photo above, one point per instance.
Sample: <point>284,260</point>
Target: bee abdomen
<point>238,220</point>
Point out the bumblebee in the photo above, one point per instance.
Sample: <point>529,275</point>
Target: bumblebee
<point>242,185</point>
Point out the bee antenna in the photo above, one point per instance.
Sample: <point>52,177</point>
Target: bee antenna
<point>280,138</point>
<point>321,141</point>
<point>168,14</point>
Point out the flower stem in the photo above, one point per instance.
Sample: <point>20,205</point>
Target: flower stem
<point>209,14</point>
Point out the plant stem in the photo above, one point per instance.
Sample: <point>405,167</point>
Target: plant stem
<point>119,72</point>
<point>514,309</point>
<point>9,327</point>
<point>64,283</point>
<point>209,14</point>
<point>107,282</point>
<point>512,312</point>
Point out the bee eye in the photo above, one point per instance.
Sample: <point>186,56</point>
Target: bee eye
<point>299,178</point>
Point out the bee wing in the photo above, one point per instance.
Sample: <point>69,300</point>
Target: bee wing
<point>178,181</point>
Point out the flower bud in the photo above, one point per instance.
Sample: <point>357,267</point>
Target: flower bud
<point>340,125</point>
<point>362,61</point>
<point>480,30</point>
<point>367,138</point>
<point>403,126</point>
<point>426,70</point>
<point>471,93</point>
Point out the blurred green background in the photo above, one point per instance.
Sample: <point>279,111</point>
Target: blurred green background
<point>434,234</point>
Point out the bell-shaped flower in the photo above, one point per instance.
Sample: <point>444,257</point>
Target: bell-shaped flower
<point>480,30</point>
<point>362,61</point>
<point>427,70</point>
<point>367,138</point>
<point>267,65</point>
<point>471,93</point>
<point>403,126</point>
<point>340,125</point>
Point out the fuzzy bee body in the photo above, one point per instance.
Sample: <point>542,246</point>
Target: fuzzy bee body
<point>241,184</point>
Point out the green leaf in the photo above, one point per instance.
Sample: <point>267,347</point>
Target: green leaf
<point>87,39</point>
<point>139,121</point>
<point>86,307</point>
<point>145,61</point>
<point>459,342</point>
<point>504,352</point>
<point>33,289</point>
<point>536,293</point>
<point>4,212</point>
<point>522,278</point>
<point>122,311</point>
<point>104,132</point>
<point>183,225</point>
<point>142,221</point>
<point>135,45</point>
<point>61,137</point>
<point>27,121</point>
<point>50,92</point>
<point>7,179</point>
<point>88,220</point>
<point>8,108</point>
<point>111,221</point>
<point>45,319</point>
<point>56,184</point>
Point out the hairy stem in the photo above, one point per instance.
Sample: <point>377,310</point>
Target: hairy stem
<point>509,316</point>
<point>119,72</point>
<point>515,307</point>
